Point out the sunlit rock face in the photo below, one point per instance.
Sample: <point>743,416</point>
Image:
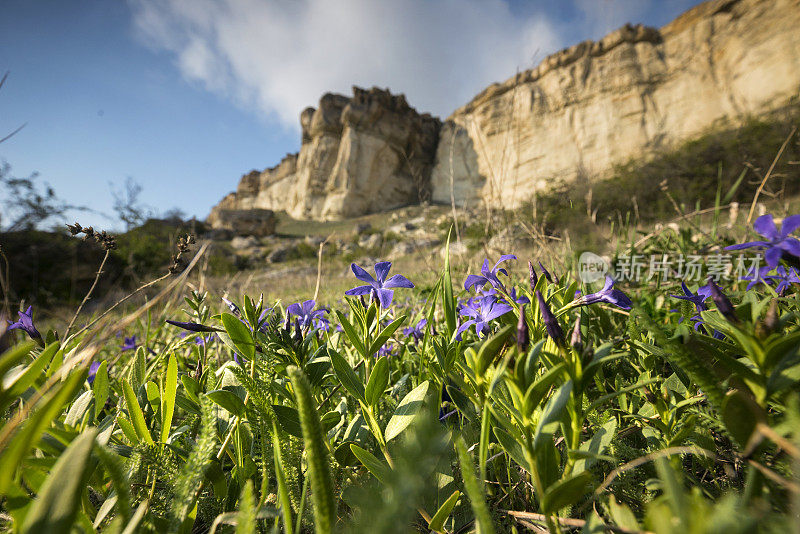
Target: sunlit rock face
<point>581,111</point>
<point>596,104</point>
<point>368,153</point>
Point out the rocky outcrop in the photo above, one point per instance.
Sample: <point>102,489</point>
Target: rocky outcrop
<point>597,104</point>
<point>572,118</point>
<point>358,155</point>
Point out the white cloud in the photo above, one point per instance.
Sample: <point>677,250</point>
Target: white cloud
<point>279,56</point>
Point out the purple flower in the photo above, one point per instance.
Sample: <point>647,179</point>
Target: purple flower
<point>785,278</point>
<point>608,295</point>
<point>321,323</point>
<point>194,327</point>
<point>417,332</point>
<point>512,295</point>
<point>550,322</point>
<point>481,312</point>
<point>305,312</point>
<point>488,275</point>
<point>386,350</point>
<point>93,372</point>
<point>757,276</point>
<point>779,240</point>
<point>130,344</point>
<point>201,341</point>
<point>381,288</point>
<point>698,299</point>
<point>25,322</point>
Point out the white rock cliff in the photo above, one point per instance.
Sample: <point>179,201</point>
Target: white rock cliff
<point>581,111</point>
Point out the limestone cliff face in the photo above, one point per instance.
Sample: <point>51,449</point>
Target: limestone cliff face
<point>358,155</point>
<point>599,103</point>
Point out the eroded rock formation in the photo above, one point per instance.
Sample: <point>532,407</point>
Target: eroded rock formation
<point>597,104</point>
<point>359,155</point>
<point>581,111</point>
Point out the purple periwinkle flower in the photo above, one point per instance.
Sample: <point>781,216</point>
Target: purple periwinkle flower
<point>785,278</point>
<point>417,332</point>
<point>522,299</point>
<point>92,372</point>
<point>386,350</point>
<point>305,312</point>
<point>25,323</point>
<point>550,322</point>
<point>778,240</point>
<point>380,287</point>
<point>757,276</point>
<point>481,311</point>
<point>698,299</point>
<point>489,274</point>
<point>608,295</point>
<point>129,344</point>
<point>194,327</point>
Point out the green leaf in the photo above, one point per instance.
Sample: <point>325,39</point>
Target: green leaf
<point>548,422</point>
<point>741,415</point>
<point>168,398</point>
<point>351,334</point>
<point>26,379</point>
<point>565,492</point>
<point>13,356</point>
<point>289,420</point>
<point>444,511</point>
<point>379,469</point>
<point>128,430</point>
<point>408,408</point>
<point>135,412</point>
<point>31,431</point>
<point>597,445</point>
<point>228,400</point>
<point>490,349</point>
<point>385,334</point>
<point>330,420</point>
<point>56,507</point>
<point>378,380</point>
<point>347,376</point>
<point>512,447</point>
<point>100,388</point>
<point>240,335</point>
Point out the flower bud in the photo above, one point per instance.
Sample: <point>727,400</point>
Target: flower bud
<point>232,307</point>
<point>550,322</point>
<point>546,273</point>
<point>723,303</point>
<point>523,335</point>
<point>532,275</point>
<point>576,341</point>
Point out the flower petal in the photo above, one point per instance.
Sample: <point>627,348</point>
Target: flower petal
<point>294,309</point>
<point>361,274</point>
<point>789,225</point>
<point>382,269</point>
<point>398,280</point>
<point>792,246</point>
<point>765,226</point>
<point>773,256</point>
<point>360,290</point>
<point>497,310</point>
<point>464,327</point>
<point>385,297</point>
<point>749,244</point>
<point>475,280</point>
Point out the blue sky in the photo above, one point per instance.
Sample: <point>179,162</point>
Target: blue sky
<point>185,96</point>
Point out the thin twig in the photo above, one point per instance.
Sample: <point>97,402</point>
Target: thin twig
<point>319,266</point>
<point>766,176</point>
<point>89,293</point>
